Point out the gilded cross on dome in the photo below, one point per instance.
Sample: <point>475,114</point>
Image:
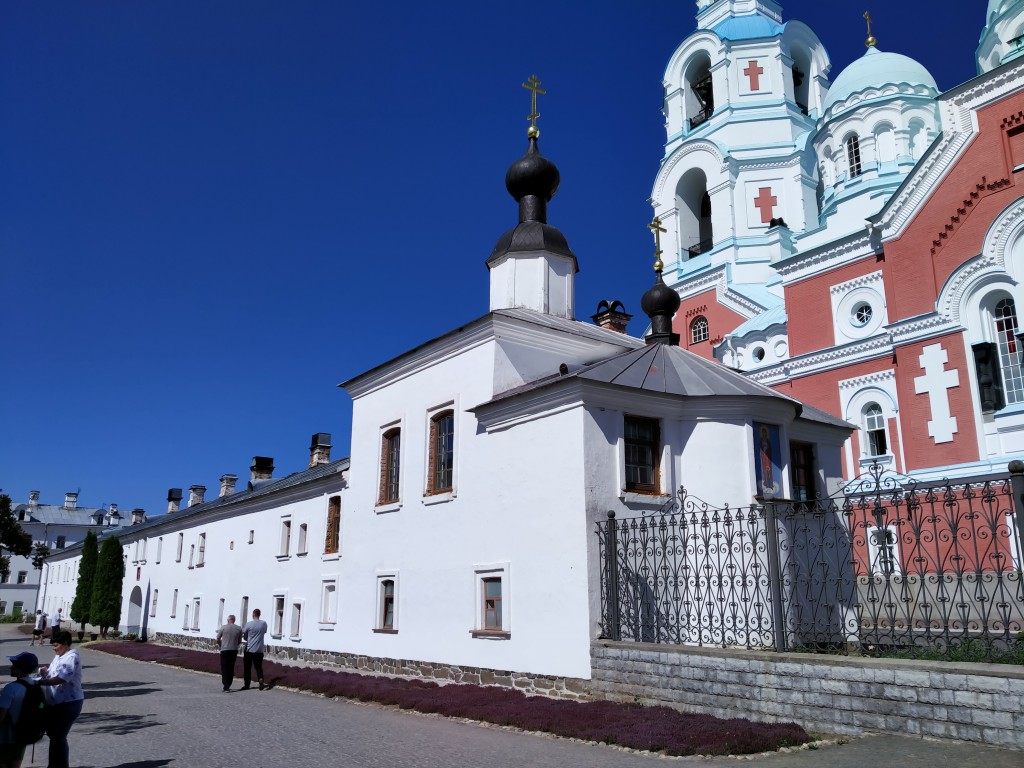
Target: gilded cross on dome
<point>657,229</point>
<point>533,85</point>
<point>871,42</point>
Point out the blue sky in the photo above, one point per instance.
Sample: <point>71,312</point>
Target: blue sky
<point>211,213</point>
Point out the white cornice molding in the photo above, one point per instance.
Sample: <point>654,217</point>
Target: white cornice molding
<point>878,377</point>
<point>715,278</point>
<point>892,91</point>
<point>872,278</point>
<point>825,258</point>
<point>737,302</point>
<point>698,145</point>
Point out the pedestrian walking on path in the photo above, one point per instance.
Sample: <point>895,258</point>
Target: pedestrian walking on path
<point>62,684</point>
<point>38,629</point>
<point>228,638</point>
<point>252,636</point>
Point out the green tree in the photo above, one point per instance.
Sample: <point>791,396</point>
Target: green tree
<point>86,576</point>
<point>39,553</point>
<point>106,589</point>
<point>13,537</point>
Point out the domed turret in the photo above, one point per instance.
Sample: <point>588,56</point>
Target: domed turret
<point>660,303</point>
<point>875,70</point>
<point>532,176</point>
<point>1002,39</point>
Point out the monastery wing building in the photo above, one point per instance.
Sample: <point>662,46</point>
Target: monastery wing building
<point>859,243</point>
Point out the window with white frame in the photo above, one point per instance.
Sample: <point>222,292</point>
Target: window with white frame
<point>184,623</point>
<point>252,536</point>
<point>159,549</point>
<point>220,612</point>
<point>387,603</point>
<point>1005,322</point>
<point>853,157</point>
<point>3,607</point>
<point>152,605</point>
<point>61,542</point>
<point>303,531</point>
<point>22,577</point>
<point>329,602</point>
<point>195,614</point>
<point>244,612</point>
<point>174,603</point>
<point>296,626</point>
<point>491,588</point>
<point>876,442</point>
<point>181,546</point>
<point>390,466</point>
<point>18,608</point>
<point>286,537</point>
<point>883,550</point>
<point>699,330</point>
<point>277,628</point>
<point>191,555</point>
<point>202,552</point>
<point>441,453</point>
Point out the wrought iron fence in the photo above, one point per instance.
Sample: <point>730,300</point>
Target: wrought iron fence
<point>884,565</point>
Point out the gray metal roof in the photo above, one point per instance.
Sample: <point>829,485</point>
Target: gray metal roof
<point>672,370</point>
<point>52,514</point>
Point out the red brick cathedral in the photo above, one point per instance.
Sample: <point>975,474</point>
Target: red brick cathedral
<point>857,241</point>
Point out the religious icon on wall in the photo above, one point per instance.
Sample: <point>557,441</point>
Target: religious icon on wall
<point>767,459</point>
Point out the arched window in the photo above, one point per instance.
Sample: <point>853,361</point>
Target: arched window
<point>699,329</point>
<point>699,92</point>
<point>1005,319</point>
<point>918,139</point>
<point>693,208</point>
<point>853,157</point>
<point>874,430</point>
<point>885,143</point>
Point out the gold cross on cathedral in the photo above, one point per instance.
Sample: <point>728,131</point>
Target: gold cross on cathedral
<point>533,85</point>
<point>871,42</point>
<point>657,229</point>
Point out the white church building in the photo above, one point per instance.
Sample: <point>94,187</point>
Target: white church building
<point>459,539</point>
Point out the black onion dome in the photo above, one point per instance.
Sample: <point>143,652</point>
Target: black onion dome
<point>660,300</point>
<point>660,303</point>
<point>532,174</point>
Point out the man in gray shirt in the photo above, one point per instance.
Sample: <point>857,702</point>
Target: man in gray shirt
<point>252,636</point>
<point>228,638</point>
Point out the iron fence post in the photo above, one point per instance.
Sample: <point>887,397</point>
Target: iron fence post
<point>775,576</point>
<point>611,570</point>
<point>1016,468</point>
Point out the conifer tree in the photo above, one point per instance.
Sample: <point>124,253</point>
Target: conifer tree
<point>105,610</point>
<point>86,576</point>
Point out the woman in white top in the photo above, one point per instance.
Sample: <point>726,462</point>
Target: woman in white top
<point>62,685</point>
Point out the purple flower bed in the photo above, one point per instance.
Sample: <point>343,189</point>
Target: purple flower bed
<point>659,729</point>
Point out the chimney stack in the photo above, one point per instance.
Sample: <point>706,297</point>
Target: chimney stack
<point>138,516</point>
<point>173,499</point>
<point>320,449</point>
<point>33,498</point>
<point>262,468</point>
<point>196,494</point>
<point>611,315</point>
<point>113,517</point>
<point>70,500</point>
<point>227,485</point>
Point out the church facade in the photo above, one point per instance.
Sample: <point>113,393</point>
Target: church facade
<point>857,243</point>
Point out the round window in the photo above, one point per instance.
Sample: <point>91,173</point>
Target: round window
<point>757,354</point>
<point>861,314</point>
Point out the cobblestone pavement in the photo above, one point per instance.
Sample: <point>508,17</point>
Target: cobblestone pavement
<point>140,715</point>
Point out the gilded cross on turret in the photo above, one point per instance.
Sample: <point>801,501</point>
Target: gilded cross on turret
<point>533,85</point>
<point>871,42</point>
<point>657,229</point>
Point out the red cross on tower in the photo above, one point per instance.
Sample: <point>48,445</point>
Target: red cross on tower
<point>753,72</point>
<point>765,202</point>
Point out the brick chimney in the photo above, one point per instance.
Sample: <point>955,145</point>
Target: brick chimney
<point>227,485</point>
<point>611,315</point>
<point>320,449</point>
<point>262,468</point>
<point>71,500</point>
<point>138,516</point>
<point>173,500</point>
<point>196,494</point>
<point>33,498</point>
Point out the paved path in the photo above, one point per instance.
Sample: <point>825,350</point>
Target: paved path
<point>140,715</point>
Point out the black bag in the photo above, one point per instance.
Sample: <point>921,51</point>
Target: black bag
<point>31,724</point>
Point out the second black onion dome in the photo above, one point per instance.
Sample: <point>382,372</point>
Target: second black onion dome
<point>660,303</point>
<point>532,180</point>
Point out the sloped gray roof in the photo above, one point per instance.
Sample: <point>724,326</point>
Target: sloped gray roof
<point>52,514</point>
<point>261,489</point>
<point>671,370</point>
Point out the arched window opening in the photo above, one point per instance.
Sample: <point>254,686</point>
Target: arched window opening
<point>699,330</point>
<point>801,79</point>
<point>853,157</point>
<point>885,144</point>
<point>874,430</point>
<point>699,91</point>
<point>693,205</point>
<point>1005,320</point>
<point>917,139</point>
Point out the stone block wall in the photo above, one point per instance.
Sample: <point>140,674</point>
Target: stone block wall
<point>835,694</point>
<point>556,687</point>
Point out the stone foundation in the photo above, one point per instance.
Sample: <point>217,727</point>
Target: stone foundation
<point>540,685</point>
